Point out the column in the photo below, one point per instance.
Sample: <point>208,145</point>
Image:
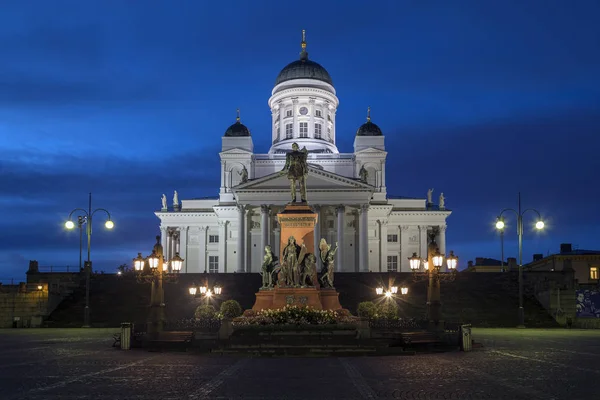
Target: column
<point>241,235</point>
<point>176,243</point>
<point>264,227</point>
<point>163,237</point>
<point>339,259</point>
<point>281,124</point>
<point>248,240</point>
<point>441,241</point>
<point>383,229</point>
<point>311,125</point>
<point>167,250</point>
<point>222,247</point>
<point>317,238</point>
<point>363,238</point>
<point>423,242</point>
<point>295,114</point>
<point>183,237</point>
<point>277,239</point>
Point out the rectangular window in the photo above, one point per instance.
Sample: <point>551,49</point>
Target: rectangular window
<point>288,113</point>
<point>318,131</point>
<point>304,129</point>
<point>213,264</point>
<point>318,113</point>
<point>392,262</point>
<point>594,273</point>
<point>289,131</point>
<point>393,238</point>
<point>213,238</point>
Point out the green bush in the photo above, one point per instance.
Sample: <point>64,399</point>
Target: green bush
<point>388,309</point>
<point>231,309</point>
<point>366,309</point>
<point>205,311</point>
<point>294,315</point>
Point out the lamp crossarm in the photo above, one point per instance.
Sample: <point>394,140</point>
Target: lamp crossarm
<point>533,210</point>
<point>509,209</point>
<point>102,209</point>
<point>79,209</point>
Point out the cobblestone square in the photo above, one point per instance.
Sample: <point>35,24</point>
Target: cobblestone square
<point>514,364</point>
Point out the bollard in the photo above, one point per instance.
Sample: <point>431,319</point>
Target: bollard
<point>125,336</point>
<point>466,341</point>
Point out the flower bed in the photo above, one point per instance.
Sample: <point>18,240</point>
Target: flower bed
<point>396,323</point>
<point>294,316</point>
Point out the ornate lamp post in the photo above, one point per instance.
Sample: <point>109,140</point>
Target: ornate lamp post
<point>86,219</point>
<point>391,292</point>
<point>500,225</point>
<point>154,270</point>
<point>205,292</point>
<point>430,269</point>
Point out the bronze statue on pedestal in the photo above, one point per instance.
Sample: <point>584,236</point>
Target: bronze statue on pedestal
<point>297,170</point>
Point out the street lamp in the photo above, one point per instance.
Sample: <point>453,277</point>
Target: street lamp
<point>86,219</point>
<point>421,270</point>
<point>391,292</point>
<point>156,273</point>
<point>539,225</point>
<point>205,292</point>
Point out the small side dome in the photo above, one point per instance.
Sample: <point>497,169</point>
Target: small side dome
<point>369,128</point>
<point>238,129</point>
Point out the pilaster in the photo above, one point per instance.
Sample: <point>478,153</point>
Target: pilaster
<point>183,242</point>
<point>340,210</point>
<point>241,236</point>
<point>404,253</point>
<point>222,248</point>
<point>423,241</point>
<point>383,232</point>
<point>363,238</point>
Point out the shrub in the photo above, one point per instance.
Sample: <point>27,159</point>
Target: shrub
<point>205,311</point>
<point>366,309</point>
<point>294,315</point>
<point>387,310</point>
<point>231,309</point>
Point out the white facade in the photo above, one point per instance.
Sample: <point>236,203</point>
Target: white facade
<point>374,233</point>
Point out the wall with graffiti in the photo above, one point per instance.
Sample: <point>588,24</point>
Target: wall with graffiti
<point>588,303</point>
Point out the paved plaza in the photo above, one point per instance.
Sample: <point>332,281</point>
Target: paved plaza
<point>514,364</point>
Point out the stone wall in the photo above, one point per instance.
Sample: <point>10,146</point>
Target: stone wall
<point>23,305</point>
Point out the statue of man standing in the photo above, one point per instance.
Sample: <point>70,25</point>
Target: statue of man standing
<point>297,169</point>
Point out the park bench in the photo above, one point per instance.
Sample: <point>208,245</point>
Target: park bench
<point>172,339</point>
<point>423,337</point>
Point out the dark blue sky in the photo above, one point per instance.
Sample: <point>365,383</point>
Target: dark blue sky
<point>478,99</point>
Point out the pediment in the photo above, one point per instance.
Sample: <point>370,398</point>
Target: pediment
<point>235,151</point>
<point>317,179</point>
<point>371,151</point>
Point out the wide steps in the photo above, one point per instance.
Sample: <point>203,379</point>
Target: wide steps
<point>300,351</point>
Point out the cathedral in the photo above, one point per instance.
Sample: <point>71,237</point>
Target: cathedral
<point>374,232</point>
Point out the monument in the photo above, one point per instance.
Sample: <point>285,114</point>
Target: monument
<point>293,280</point>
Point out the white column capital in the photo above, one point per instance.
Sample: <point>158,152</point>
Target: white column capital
<point>364,208</point>
<point>404,228</point>
<point>423,227</point>
<point>264,209</point>
<point>442,228</point>
<point>383,222</point>
<point>340,209</point>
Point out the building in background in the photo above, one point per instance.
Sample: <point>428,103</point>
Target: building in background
<point>375,232</point>
<point>585,263</point>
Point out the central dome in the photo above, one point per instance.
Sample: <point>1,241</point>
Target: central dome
<point>304,69</point>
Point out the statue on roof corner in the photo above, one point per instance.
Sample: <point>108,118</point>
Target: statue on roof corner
<point>244,174</point>
<point>164,201</point>
<point>297,169</point>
